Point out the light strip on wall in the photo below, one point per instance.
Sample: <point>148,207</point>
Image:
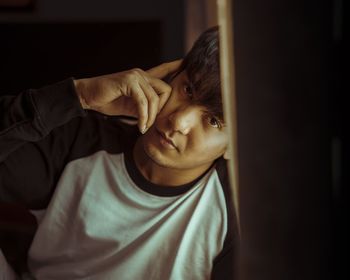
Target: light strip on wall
<point>229,94</point>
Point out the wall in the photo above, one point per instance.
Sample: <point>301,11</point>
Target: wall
<point>170,13</point>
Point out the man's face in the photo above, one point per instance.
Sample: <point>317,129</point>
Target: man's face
<point>184,135</point>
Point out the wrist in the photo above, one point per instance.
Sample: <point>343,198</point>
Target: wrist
<point>79,89</point>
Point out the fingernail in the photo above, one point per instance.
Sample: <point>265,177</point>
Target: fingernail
<point>143,129</point>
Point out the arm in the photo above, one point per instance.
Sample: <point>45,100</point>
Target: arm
<point>31,115</point>
<point>31,154</point>
<point>27,169</point>
<point>224,266</point>
<point>38,126</point>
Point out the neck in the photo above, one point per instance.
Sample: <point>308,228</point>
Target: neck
<point>162,175</point>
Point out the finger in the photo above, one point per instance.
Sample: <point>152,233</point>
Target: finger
<point>164,69</point>
<point>162,100</point>
<point>163,90</point>
<point>140,99</point>
<point>153,101</point>
<point>159,86</point>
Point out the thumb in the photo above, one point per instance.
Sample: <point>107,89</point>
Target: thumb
<point>164,69</point>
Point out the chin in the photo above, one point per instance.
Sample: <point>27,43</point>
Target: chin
<point>154,154</point>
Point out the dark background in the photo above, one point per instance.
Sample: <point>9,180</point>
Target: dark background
<point>293,145</point>
<point>51,40</point>
<point>36,54</point>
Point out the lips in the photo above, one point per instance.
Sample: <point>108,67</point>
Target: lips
<point>166,140</point>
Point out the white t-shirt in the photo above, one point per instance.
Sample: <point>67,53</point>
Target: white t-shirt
<point>100,224</point>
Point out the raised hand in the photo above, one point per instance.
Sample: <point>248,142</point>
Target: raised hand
<point>132,93</point>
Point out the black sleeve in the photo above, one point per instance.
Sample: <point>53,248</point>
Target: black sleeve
<point>34,142</point>
<point>224,266</point>
<point>31,115</point>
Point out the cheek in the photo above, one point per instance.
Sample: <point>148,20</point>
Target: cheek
<point>216,146</point>
<point>213,144</point>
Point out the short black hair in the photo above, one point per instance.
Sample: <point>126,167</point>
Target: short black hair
<point>202,66</point>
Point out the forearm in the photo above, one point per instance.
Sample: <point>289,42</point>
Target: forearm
<point>34,142</point>
<point>31,115</point>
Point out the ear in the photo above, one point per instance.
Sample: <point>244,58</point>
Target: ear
<point>226,155</point>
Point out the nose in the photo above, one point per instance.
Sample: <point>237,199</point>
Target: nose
<point>184,119</point>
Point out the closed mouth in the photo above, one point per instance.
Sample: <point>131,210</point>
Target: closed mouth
<point>167,139</point>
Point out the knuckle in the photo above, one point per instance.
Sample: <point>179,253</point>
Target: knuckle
<point>136,71</point>
<point>129,75</point>
<point>154,99</point>
<point>132,73</point>
<point>142,103</point>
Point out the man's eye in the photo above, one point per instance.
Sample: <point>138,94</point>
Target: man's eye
<point>214,122</point>
<point>188,91</point>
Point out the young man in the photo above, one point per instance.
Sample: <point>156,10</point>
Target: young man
<point>119,204</point>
